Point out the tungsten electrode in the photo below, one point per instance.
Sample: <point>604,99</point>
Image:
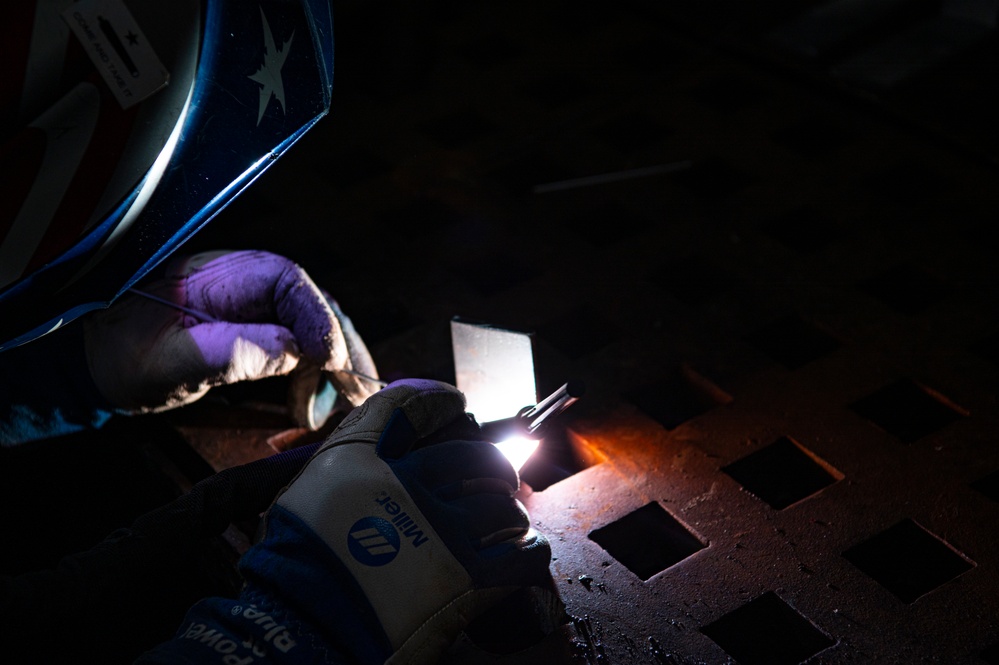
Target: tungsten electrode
<point>533,421</point>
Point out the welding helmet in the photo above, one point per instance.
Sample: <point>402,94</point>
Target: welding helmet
<point>128,124</point>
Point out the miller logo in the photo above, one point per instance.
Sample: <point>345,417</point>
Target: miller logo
<point>373,541</point>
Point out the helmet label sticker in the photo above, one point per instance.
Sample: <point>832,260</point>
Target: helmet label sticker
<point>118,48</point>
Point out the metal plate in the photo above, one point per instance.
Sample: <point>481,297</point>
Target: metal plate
<point>494,368</point>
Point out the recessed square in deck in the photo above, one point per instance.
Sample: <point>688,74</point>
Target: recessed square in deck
<point>908,560</point>
<point>907,410</point>
<point>767,631</point>
<point>647,540</point>
<point>906,289</point>
<point>989,485</point>
<point>793,342</point>
<point>681,394</point>
<point>782,473</point>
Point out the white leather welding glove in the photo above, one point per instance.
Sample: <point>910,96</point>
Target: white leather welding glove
<point>269,315</point>
<point>388,543</point>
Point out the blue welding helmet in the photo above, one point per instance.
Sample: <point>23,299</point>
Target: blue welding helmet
<point>126,125</point>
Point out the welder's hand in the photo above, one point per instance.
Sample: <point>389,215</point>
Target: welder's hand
<point>391,547</point>
<point>392,538</point>
<point>147,356</point>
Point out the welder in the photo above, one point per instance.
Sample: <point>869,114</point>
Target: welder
<point>380,544</point>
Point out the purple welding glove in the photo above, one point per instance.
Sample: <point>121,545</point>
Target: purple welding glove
<point>266,316</point>
<point>389,542</point>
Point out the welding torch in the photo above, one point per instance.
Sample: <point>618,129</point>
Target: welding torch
<point>534,422</point>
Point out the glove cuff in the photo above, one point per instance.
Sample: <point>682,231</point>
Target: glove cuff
<point>252,629</point>
<point>292,563</point>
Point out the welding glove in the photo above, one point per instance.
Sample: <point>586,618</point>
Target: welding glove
<point>268,316</point>
<point>389,542</point>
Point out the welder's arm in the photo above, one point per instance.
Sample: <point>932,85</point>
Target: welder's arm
<point>92,596</point>
<point>399,532</point>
